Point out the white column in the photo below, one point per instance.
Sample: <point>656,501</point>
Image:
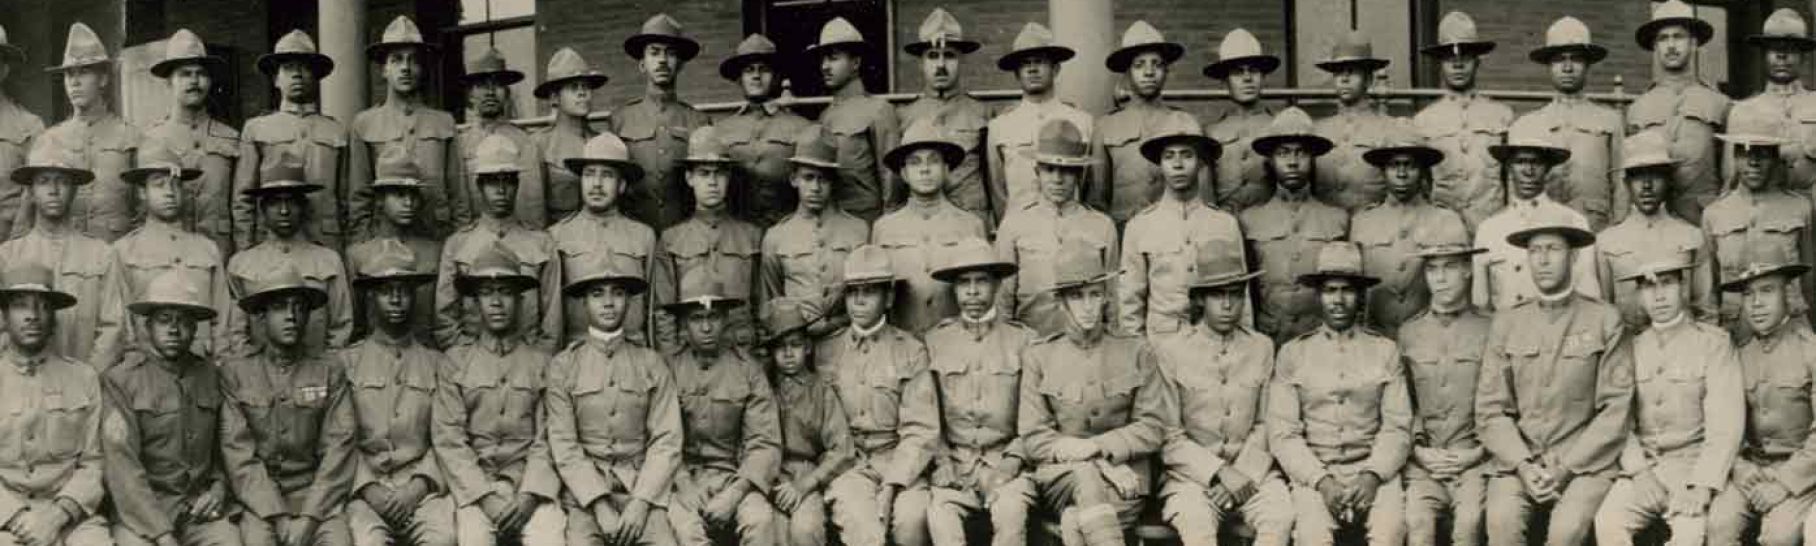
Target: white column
<point>1088,27</point>
<point>342,25</point>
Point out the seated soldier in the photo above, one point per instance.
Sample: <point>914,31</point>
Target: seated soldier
<point>816,438</point>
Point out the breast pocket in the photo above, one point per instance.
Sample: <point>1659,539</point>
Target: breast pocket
<point>1784,236</point>
<point>1787,390</point>
<point>65,425</point>
<point>853,137</point>
<point>521,409</point>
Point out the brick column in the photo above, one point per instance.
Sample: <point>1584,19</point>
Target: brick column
<point>1087,26</point>
<point>343,38</point>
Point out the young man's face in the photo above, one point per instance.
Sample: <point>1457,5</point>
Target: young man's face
<point>1405,176</point>
<point>283,318</point>
<point>791,353</point>
<point>1244,83</point>
<point>400,206</point>
<point>1672,47</point>
<point>393,300</point>
<point>1179,165</point>
<point>1459,71</point>
<point>1085,304</point>
<point>402,70</point>
<point>1647,186</point>
<point>814,186</point>
<point>1222,306</point>
<point>709,181</point>
<point>1339,298</point>
<point>1059,184</point>
<point>704,327</point>
<point>838,68</point>
<point>925,171</point>
<point>282,213</point>
<point>1036,74</point>
<point>1292,165</point>
<point>1783,64</point>
<point>600,186</point>
<point>497,306</point>
<point>190,83</point>
<point>1550,258</point>
<point>1662,297</point>
<point>487,96</point>
<point>574,99</point>
<point>1351,83</point>
<point>52,192</point>
<point>171,332</point>
<point>1754,166</point>
<point>1765,302</point>
<point>867,302</point>
<point>1527,170</point>
<point>1147,74</point>
<point>1569,71</point>
<point>295,81</point>
<point>975,292</point>
<point>499,193</point>
<point>758,80</point>
<point>605,305</point>
<point>85,86</point>
<point>660,63</point>
<point>163,197</point>
<point>28,321</point>
<point>1448,278</point>
<point>939,67</point>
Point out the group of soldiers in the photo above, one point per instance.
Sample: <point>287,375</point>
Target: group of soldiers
<point>924,325</point>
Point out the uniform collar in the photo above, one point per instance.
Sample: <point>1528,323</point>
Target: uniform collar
<point>604,218</point>
<point>851,90</point>
<point>1332,334</point>
<point>1211,335</point>
<point>1293,197</point>
<point>497,344</point>
<point>943,96</point>
<point>382,337</point>
<point>1792,88</point>
<point>1676,323</point>
<point>603,340</point>
<point>282,359</point>
<point>1657,217</point>
<point>926,209</point>
<point>1528,205</point>
<point>496,225</point>
<point>860,334</point>
<point>1553,301</point>
<point>767,108</point>
<point>27,365</point>
<point>1772,337</point>
<point>981,326</point>
<point>1444,316</point>
<point>304,109</point>
<point>1468,95</point>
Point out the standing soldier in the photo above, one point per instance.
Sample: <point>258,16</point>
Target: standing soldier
<point>459,317</point>
<point>1240,180</point>
<point>732,443</point>
<point>1687,110</point>
<point>1344,179</point>
<point>19,128</point>
<point>880,374</point>
<point>711,239</point>
<point>568,86</point>
<point>397,189</point>
<point>1128,181</point>
<point>1651,232</point>
<point>284,207</point>
<point>1689,413</point>
<point>1773,479</point>
<point>976,362</point>
<point>862,125</point>
<point>404,121</point>
<point>77,261</point>
<point>1288,230</point>
<point>941,48</point>
<point>488,83</point>
<point>1500,280</point>
<point>299,132</point>
<point>287,431</point>
<point>604,170</point>
<point>1013,135</point>
<point>1036,234</point>
<point>761,134</point>
<point>614,421</point>
<point>488,418</point>
<point>816,437</point>
<point>1160,242</point>
<point>96,137</point>
<point>1093,409</point>
<point>1219,470</point>
<point>927,226</point>
<point>1463,124</point>
<point>656,125</point>
<point>801,255</point>
<point>400,495</point>
<point>1759,211</point>
<point>1554,399</point>
<point>200,141</point>
<point>1441,347</point>
<point>1391,231</point>
<point>1785,40</point>
<point>52,483</point>
<point>164,402</point>
<point>1590,132</point>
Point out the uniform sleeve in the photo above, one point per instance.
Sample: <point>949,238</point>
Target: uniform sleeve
<point>447,300</point>
<point>662,454</point>
<point>1034,419</point>
<point>1112,257</point>
<point>1155,407</point>
<point>1394,440</point>
<point>837,450</point>
<point>1724,416</point>
<point>539,476</point>
<point>994,184</point>
<point>245,176</point>
<point>1005,250</point>
<point>1597,445</point>
<point>111,342</point>
<point>1186,459</point>
<point>1481,291</point>
<point>466,481</point>
<point>454,180</point>
<point>1702,284</point>
<point>1495,405</point>
<point>918,419</point>
<point>761,458</point>
<point>887,132</point>
<point>578,473</point>
<point>340,306</point>
<point>83,485</point>
<point>1132,285</point>
<point>333,482</point>
<point>1286,427</point>
<point>1254,460</point>
<point>359,185</point>
<point>1798,473</point>
<point>135,504</point>
<point>1584,271</point>
<point>549,338</point>
<point>770,276</point>
<point>252,484</point>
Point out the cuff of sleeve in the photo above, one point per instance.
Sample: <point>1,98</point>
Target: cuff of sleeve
<point>1112,448</point>
<point>758,482</point>
<point>73,508</point>
<point>651,500</point>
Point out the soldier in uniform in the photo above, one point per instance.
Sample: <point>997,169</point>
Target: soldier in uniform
<point>1013,135</point>
<point>1554,399</point>
<point>880,374</point>
<point>19,128</point>
<point>1651,232</point>
<point>1093,410</point>
<point>614,417</point>
<point>710,239</point>
<point>732,447</point>
<point>1463,124</point>
<point>1441,348</point>
<point>284,207</point>
<point>497,225</point>
<point>1689,412</point>
<point>801,255</point>
<point>1687,110</point>
<point>1500,280</point>
<point>1160,242</point>
<point>657,124</point>
<point>488,83</point>
<point>1344,179</point>
<point>1773,482</point>
<point>927,226</point>
<point>1036,233</point>
<point>288,430</point>
<point>404,121</point>
<point>51,486</point>
<point>78,261</point>
<point>1128,181</point>
<point>1785,41</point>
<point>604,170</point>
<point>163,464</point>
<point>862,126</point>
<point>975,356</point>
<point>1759,211</point>
<point>760,135</point>
<point>816,437</point>
<point>1391,231</point>
<point>397,189</point>
<point>1219,471</point>
<point>399,492</point>
<point>96,137</point>
<point>297,131</point>
<point>1288,229</point>
<point>568,86</point>
<point>200,141</point>
<point>1591,132</point>
<point>943,101</point>
<point>488,418</point>
<point>1239,181</point>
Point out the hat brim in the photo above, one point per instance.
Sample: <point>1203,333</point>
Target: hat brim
<point>1221,69</point>
<point>1064,160</point>
<point>861,48</point>
<point>681,308</point>
<point>1265,145</point>
<point>1552,154</point>
<point>860,281</point>
<point>466,285</point>
<point>415,279</point>
<point>633,285</point>
<point>811,162</point>
<point>1119,60</point>
<point>686,48</point>
<point>1797,43</point>
<point>1790,271</point>
<point>771,338</point>
<point>255,302</point>
<point>137,176</point>
<point>318,63</point>
<point>1458,48</point>
<point>1576,237</point>
<point>731,68</point>
<point>73,66</point>
<point>996,269</point>
<point>630,171</point>
<point>1367,63</point>
<point>963,47</point>
<point>56,299</point>
<point>1441,252</point>
<point>400,183</point>
<point>1594,53</point>
<point>25,175</point>
<point>1648,32</point>
<point>213,64</point>
<point>1654,163</point>
<point>1013,60</point>
<point>1751,141</point>
<point>195,312</point>
<point>267,191</point>
<point>506,78</point>
<point>1317,279</point>
<point>952,153</point>
<point>1208,148</point>
<point>1100,279</point>
<point>376,52</point>
<point>708,160</point>
<point>1209,284</point>
<point>1654,272</point>
<point>1426,156</point>
<point>594,80</point>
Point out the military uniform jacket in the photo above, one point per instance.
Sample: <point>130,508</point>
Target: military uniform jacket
<point>425,253</point>
<point>1589,182</point>
<point>1442,354</point>
<point>1032,238</point>
<point>103,209</point>
<point>1640,241</point>
<point>882,382</point>
<point>1501,279</point>
<point>1220,383</point>
<point>1389,233</point>
<point>1777,370</point>
<point>1339,398</point>
<point>428,134</point>
<point>555,146</point>
<point>538,310</point>
<point>761,137</point>
<point>393,392</point>
<point>287,434</point>
<point>532,186</point>
<point>1689,114</point>
<point>52,432</point>
<point>1240,174</point>
<point>1779,220</point>
<point>977,370</point>
<point>918,237</point>
<point>1343,179</point>
<point>1463,126</point>
<point>656,129</point>
<point>152,250</point>
<point>803,256</point>
<point>212,147</point>
<point>1010,139</point>
<point>962,120</point>
<point>730,415</point>
<point>1286,233</point>
<point>721,244</point>
<point>489,426</point>
<point>1557,383</point>
<point>321,142</point>
<point>331,326</point>
<point>1160,257</point>
<point>816,436</point>
<point>80,264</point>
<point>1795,109</point>
<point>582,235</point>
<point>614,421</point>
<point>863,128</point>
<point>1107,390</point>
<point>18,128</point>
<point>1130,182</point>
<point>160,436</point>
<point>1688,404</point>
